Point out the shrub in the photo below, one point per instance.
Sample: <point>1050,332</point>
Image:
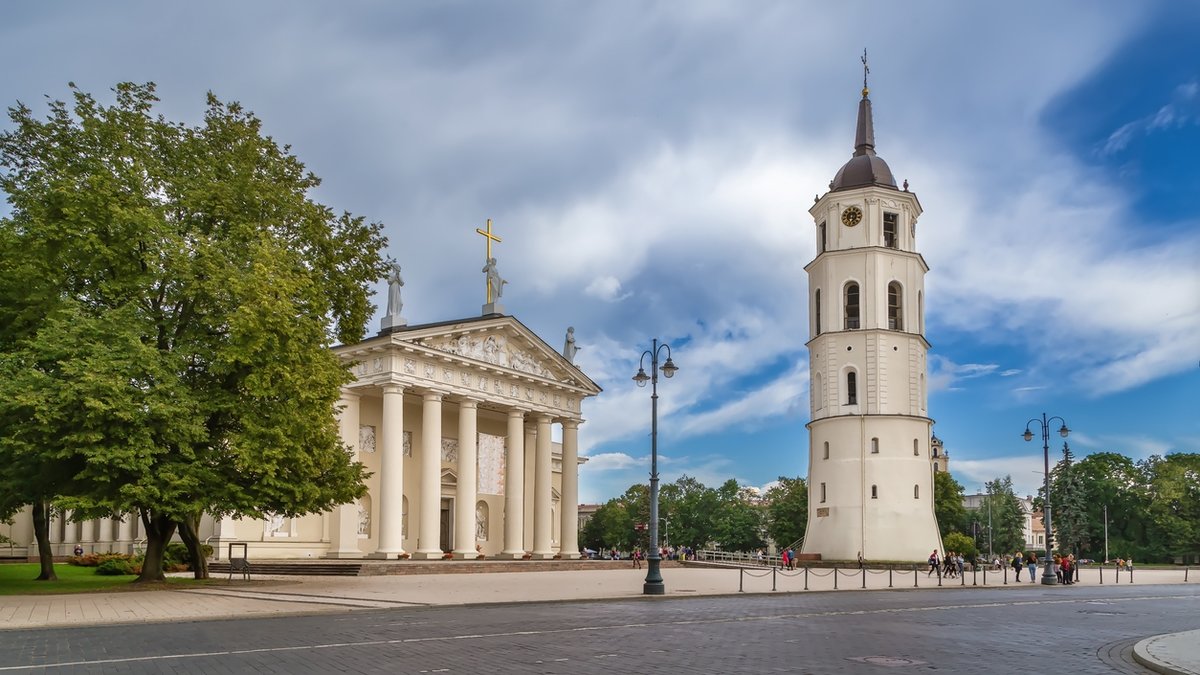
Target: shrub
<point>114,567</point>
<point>177,558</point>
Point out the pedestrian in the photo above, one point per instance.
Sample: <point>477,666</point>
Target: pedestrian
<point>78,550</point>
<point>933,563</point>
<point>1058,568</point>
<point>637,558</point>
<point>960,562</point>
<point>1068,569</point>
<point>860,560</point>
<point>1031,561</point>
<point>1017,561</point>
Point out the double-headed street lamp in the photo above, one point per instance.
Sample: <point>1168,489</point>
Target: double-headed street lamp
<point>1048,578</point>
<point>654,581</point>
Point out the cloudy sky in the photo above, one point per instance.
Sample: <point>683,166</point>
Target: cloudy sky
<point>649,166</point>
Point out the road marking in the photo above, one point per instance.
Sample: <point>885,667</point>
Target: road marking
<point>582,629</point>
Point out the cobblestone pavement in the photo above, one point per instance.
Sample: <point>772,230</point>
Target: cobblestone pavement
<point>1053,630</point>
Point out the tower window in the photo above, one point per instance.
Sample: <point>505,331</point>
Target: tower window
<point>895,307</point>
<point>916,448</point>
<point>916,492</point>
<point>889,230</point>
<point>936,467</point>
<point>851,306</point>
<point>822,493</point>
<point>821,227</point>
<point>874,446</point>
<point>826,449</point>
<point>874,492</point>
<point>817,309</point>
<point>935,451</point>
<point>851,388</point>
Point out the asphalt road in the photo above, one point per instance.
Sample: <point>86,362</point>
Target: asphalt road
<point>1005,630</point>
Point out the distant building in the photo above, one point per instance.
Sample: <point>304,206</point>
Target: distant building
<point>1033,529</point>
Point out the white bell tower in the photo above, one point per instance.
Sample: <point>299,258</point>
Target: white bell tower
<point>870,478</point>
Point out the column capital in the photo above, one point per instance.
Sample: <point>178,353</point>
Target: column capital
<point>570,422</point>
<point>543,418</point>
<point>393,388</point>
<point>516,413</point>
<point>350,396</point>
<point>431,396</point>
<point>467,402</point>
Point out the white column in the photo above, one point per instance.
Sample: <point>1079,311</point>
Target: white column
<point>528,485</point>
<point>69,529</point>
<point>343,518</point>
<point>391,475</point>
<point>569,507</point>
<point>464,509</point>
<point>125,533</point>
<point>514,486</point>
<point>106,534</point>
<point>542,545</point>
<point>56,523</point>
<point>429,511</point>
<point>87,535</point>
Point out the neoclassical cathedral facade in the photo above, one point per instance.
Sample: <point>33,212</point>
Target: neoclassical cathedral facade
<point>870,438</point>
<point>456,423</point>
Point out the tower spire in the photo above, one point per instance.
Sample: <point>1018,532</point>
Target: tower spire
<point>866,70</point>
<point>864,137</point>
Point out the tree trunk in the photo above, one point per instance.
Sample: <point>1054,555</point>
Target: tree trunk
<point>159,530</point>
<point>188,528</point>
<point>41,532</point>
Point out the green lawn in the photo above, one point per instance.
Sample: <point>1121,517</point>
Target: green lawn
<point>18,579</point>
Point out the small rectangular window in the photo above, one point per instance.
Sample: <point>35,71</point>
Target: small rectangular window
<point>874,446</point>
<point>826,449</point>
<point>822,493</point>
<point>874,492</point>
<point>889,230</point>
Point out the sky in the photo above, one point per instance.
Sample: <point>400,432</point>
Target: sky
<point>649,167</point>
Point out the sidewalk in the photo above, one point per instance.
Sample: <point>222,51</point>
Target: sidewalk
<point>280,595</point>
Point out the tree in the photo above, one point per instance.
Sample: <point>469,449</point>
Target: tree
<point>948,503</point>
<point>1008,520</point>
<point>1174,505</point>
<point>691,507</point>
<point>960,543</point>
<point>787,510</point>
<point>168,299</point>
<point>738,521</point>
<point>1068,517</point>
<point>610,526</point>
<point>1112,480</point>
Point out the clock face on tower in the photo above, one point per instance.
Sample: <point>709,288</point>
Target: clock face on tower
<point>851,216</point>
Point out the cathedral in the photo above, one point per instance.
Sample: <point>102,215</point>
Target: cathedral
<point>869,468</point>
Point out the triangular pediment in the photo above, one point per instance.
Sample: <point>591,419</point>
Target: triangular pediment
<point>500,342</point>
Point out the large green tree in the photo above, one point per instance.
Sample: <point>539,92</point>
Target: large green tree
<point>1174,505</point>
<point>168,298</point>
<point>738,520</point>
<point>1068,499</point>
<point>787,511</point>
<point>1008,520</point>
<point>948,503</point>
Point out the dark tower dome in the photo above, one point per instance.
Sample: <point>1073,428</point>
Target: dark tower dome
<point>865,167</point>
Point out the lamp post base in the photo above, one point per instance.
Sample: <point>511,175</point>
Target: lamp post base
<point>650,588</point>
<point>1048,577</point>
<point>654,582</point>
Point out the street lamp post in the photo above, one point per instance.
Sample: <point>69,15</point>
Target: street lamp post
<point>654,581</point>
<point>666,532</point>
<point>1048,578</point>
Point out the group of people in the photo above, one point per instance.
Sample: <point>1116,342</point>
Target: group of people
<point>1064,567</point>
<point>951,566</point>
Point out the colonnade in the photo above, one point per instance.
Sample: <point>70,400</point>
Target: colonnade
<point>99,535</point>
<point>522,425</point>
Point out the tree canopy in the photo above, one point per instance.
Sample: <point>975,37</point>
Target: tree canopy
<point>168,298</point>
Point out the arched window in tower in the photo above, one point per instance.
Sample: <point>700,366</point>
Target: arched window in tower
<point>890,239</point>
<point>936,467</point>
<point>817,309</point>
<point>916,492</point>
<point>874,446</point>
<point>895,306</point>
<point>851,388</point>
<point>822,493</point>
<point>851,306</point>
<point>874,492</point>
<point>818,391</point>
<point>826,449</point>
<point>916,448</point>
<point>821,227</point>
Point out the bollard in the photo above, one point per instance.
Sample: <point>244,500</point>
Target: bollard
<point>974,575</point>
<point>890,577</point>
<point>741,574</point>
<point>1101,574</point>
<point>914,576</point>
<point>835,577</point>
<point>806,577</point>
<point>1118,574</point>
<point>1006,575</point>
<point>939,577</point>
<point>1185,572</point>
<point>863,572</point>
<point>985,576</point>
<point>1131,574</point>
<point>772,578</point>
<point>963,579</point>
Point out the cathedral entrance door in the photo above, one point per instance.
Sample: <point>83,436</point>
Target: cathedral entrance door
<point>446,528</point>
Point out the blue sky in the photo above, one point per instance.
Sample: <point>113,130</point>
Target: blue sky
<point>650,166</point>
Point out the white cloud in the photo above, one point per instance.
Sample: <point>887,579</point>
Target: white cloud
<point>606,288</point>
<point>609,461</point>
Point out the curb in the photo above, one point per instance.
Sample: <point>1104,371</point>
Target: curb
<point>1141,654</point>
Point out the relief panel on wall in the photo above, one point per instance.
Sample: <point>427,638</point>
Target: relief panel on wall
<point>490,465</point>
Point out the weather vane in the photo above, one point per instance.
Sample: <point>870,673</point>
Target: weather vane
<point>866,69</point>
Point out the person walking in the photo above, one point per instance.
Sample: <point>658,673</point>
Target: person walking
<point>637,558</point>
<point>1031,561</point>
<point>933,563</point>
<point>1017,562</point>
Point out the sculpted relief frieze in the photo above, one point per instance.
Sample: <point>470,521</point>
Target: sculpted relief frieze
<point>493,349</point>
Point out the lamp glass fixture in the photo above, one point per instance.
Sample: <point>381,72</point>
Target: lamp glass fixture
<point>1064,431</point>
<point>641,378</point>
<point>669,368</point>
<point>1028,435</point>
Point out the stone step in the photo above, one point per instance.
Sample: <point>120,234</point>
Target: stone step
<point>389,567</point>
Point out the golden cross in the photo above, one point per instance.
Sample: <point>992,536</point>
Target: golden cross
<point>490,237</point>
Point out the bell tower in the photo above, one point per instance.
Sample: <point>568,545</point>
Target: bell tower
<point>870,477</point>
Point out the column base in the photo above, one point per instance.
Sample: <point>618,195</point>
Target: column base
<point>428,555</point>
<point>385,555</point>
<point>571,556</point>
<point>543,555</point>
<point>345,555</point>
<point>510,555</point>
<point>465,555</point>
